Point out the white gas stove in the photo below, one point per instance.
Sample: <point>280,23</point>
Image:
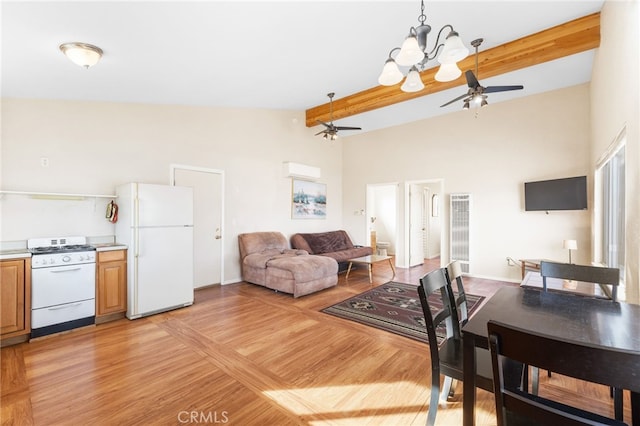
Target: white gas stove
<point>63,284</point>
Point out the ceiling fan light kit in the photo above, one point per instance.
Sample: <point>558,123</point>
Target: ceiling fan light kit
<point>476,92</point>
<point>330,131</point>
<point>82,54</point>
<point>414,54</point>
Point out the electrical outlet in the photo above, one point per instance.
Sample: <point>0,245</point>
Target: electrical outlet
<point>44,161</point>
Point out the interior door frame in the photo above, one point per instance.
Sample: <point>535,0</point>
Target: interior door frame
<point>172,182</point>
<point>406,231</point>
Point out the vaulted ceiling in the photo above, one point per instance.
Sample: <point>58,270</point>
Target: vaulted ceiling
<point>288,54</point>
<point>563,40</point>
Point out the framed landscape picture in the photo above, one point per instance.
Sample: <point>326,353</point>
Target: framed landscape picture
<point>308,200</point>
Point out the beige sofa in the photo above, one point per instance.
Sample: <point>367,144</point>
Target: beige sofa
<point>268,261</point>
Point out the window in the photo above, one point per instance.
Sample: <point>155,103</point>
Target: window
<point>611,188</point>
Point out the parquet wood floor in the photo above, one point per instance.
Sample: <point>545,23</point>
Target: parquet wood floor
<point>241,355</point>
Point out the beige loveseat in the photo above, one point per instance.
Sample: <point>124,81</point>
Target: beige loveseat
<point>267,260</point>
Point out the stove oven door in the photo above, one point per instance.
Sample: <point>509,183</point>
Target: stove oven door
<point>63,293</point>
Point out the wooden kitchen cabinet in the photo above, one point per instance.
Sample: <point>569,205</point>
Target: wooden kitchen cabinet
<point>15,300</point>
<point>111,285</point>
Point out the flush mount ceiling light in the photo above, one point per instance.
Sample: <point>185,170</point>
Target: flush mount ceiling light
<point>82,54</point>
<point>413,54</point>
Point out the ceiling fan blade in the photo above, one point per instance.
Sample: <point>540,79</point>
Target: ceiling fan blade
<point>320,132</point>
<point>472,81</point>
<point>454,100</point>
<point>328,126</point>
<point>348,128</point>
<point>493,89</point>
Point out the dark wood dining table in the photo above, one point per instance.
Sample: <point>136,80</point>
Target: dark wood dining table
<point>567,316</point>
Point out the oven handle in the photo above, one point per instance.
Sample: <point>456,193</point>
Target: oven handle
<point>57,271</point>
<point>67,306</point>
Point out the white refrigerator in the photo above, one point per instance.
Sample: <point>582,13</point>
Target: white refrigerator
<point>156,223</point>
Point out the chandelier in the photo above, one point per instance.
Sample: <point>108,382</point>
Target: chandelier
<point>413,54</point>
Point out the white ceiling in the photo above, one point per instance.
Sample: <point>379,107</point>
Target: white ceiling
<point>266,54</point>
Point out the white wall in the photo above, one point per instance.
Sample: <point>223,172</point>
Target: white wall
<point>93,147</point>
<point>615,94</point>
<point>539,137</point>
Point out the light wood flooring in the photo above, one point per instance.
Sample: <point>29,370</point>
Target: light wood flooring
<point>242,355</point>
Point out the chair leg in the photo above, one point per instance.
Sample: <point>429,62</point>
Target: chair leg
<point>446,389</point>
<point>617,403</point>
<point>433,400</point>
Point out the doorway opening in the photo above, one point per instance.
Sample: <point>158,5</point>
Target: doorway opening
<point>423,219</point>
<point>382,216</point>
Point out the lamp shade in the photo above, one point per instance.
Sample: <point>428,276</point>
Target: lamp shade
<point>454,50</point>
<point>82,54</point>
<point>448,72</point>
<point>570,244</point>
<point>390,74</point>
<point>413,82</point>
<point>410,52</point>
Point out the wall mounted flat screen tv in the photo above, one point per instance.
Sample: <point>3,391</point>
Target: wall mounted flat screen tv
<point>556,194</point>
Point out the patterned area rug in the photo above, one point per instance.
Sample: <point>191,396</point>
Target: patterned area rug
<point>394,307</point>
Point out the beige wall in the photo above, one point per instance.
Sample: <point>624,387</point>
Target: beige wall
<point>615,95</point>
<point>490,156</point>
<point>93,147</point>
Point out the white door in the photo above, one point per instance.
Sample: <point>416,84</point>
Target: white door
<point>208,210</point>
<point>426,234</point>
<point>416,247</point>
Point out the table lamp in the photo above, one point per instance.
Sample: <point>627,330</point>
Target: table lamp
<point>570,245</point>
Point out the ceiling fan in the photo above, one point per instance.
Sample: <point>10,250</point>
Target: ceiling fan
<point>331,131</point>
<point>476,92</point>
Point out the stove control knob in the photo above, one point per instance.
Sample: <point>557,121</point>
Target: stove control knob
<point>80,258</point>
<point>51,261</point>
<point>66,259</point>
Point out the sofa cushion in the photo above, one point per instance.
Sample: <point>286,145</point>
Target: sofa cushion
<point>261,260</point>
<point>325,242</point>
<point>344,255</point>
<point>259,242</point>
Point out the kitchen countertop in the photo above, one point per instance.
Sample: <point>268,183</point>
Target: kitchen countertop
<point>14,254</point>
<point>109,247</point>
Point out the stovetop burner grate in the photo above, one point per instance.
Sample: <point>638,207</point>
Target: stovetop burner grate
<point>62,249</point>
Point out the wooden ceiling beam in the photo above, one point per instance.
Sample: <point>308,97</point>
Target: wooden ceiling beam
<point>566,39</point>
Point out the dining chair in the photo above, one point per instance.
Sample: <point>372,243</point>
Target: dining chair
<point>446,356</point>
<point>516,406</point>
<point>597,275</point>
<point>454,271</point>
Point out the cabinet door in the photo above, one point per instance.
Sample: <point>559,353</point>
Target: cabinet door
<point>12,296</point>
<point>112,287</point>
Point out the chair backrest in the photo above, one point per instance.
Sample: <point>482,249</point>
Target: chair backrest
<point>437,281</point>
<point>594,364</point>
<point>591,274</point>
<point>455,274</point>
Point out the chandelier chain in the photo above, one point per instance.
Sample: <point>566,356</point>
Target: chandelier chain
<point>422,16</point>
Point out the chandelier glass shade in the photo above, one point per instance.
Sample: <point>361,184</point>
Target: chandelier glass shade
<point>414,54</point>
<point>82,54</point>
